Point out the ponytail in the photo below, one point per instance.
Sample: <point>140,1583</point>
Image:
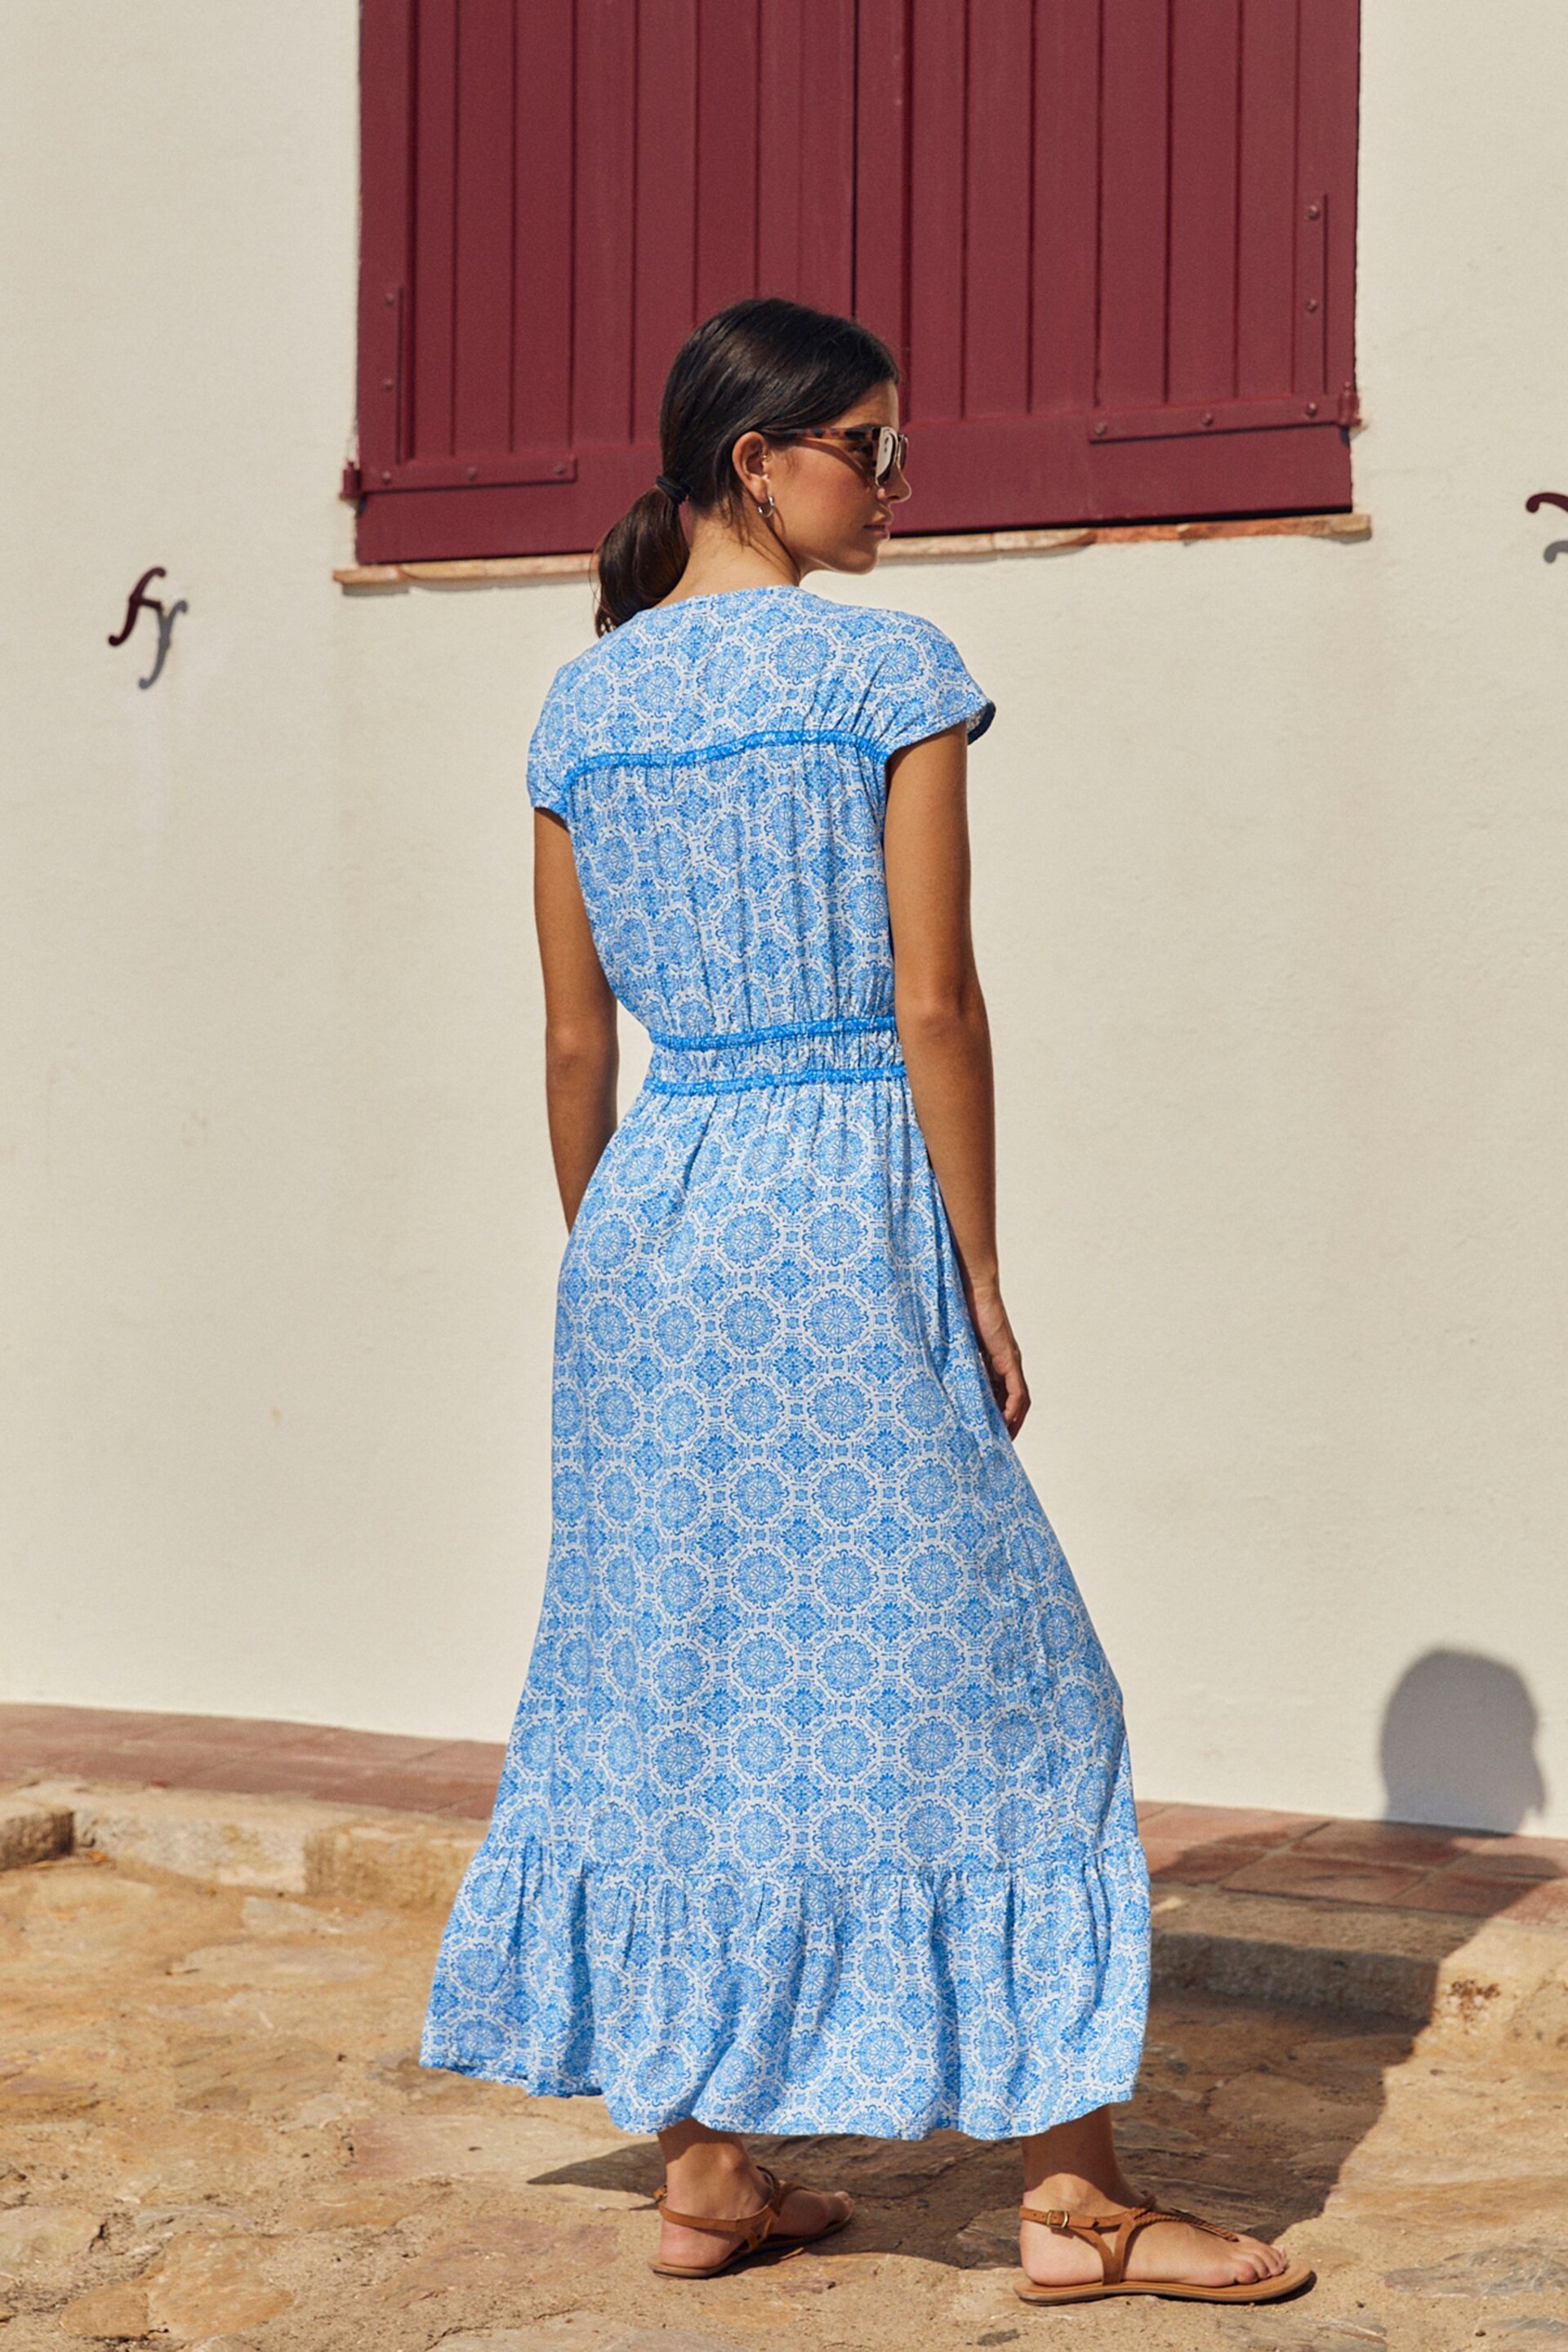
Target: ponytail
<point>639,559</point>
<point>763,365</point>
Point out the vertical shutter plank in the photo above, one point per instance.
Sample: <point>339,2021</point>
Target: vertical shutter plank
<point>386,78</point>
<point>825,271</point>
<point>1266,240</point>
<point>605,241</point>
<point>1135,119</point>
<point>1327,103</point>
<point>882,170</point>
<point>665,290</point>
<point>729,73</point>
<point>542,306</point>
<point>938,111</point>
<point>780,110</point>
<point>805,135</point>
<point>435,231</point>
<point>1205,96</point>
<point>996,258</point>
<point>485,214</point>
<point>1066,206</point>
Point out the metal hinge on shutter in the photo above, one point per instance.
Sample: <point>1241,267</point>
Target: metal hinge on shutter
<point>493,469</point>
<point>1222,416</point>
<point>1313,402</point>
<point>498,469</point>
<point>389,379</point>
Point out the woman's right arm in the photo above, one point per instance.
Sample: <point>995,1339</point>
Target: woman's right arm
<point>582,1045</point>
<point>943,1030</point>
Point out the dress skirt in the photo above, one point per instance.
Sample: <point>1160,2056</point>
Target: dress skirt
<point>816,1814</point>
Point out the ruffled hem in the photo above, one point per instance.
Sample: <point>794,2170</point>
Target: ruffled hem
<point>887,2003</point>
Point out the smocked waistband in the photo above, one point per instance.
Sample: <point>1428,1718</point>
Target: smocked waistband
<point>855,1048</point>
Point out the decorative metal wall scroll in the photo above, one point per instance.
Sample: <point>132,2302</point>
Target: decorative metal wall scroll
<point>140,601</point>
<point>1549,499</point>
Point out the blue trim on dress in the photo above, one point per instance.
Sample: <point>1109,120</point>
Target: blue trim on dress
<point>849,1023</point>
<point>823,1072</point>
<point>641,756</point>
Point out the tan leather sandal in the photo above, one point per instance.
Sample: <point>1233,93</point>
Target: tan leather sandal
<point>754,2228</point>
<point>1123,2228</point>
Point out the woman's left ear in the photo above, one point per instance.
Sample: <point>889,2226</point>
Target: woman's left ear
<point>749,457</point>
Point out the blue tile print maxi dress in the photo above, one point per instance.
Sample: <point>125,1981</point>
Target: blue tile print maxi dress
<point>816,1815</point>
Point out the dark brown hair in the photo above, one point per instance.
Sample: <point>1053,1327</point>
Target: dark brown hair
<point>762,365</point>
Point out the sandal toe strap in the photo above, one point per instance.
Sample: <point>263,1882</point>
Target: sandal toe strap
<point>1193,2222</point>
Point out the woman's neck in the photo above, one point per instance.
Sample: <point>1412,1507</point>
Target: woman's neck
<point>719,560</point>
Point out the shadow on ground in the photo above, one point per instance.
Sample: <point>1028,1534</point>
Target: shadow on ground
<point>1244,2115</point>
<point>1363,2134</point>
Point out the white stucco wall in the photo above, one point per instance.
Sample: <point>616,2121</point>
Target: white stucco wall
<point>1269,899</point>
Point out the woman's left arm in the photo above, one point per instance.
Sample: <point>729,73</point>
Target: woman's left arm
<point>581,1046</point>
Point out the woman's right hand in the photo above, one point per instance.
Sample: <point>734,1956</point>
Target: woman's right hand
<point>1004,1358</point>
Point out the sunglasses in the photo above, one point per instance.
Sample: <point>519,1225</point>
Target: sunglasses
<point>878,447</point>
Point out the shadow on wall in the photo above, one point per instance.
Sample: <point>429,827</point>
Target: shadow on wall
<point>1458,1745</point>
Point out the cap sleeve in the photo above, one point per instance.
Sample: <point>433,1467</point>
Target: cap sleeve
<point>548,753</point>
<point>923,687</point>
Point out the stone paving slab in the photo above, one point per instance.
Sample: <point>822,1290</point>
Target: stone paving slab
<point>216,2134</point>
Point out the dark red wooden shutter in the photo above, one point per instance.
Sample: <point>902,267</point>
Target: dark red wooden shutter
<point>1127,230</point>
<point>555,191</point>
<point>1112,240</point>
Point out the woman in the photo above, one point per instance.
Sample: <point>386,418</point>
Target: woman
<point>816,1816</point>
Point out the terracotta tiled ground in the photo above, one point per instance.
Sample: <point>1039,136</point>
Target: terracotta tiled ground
<point>452,1777</point>
<point>1402,1866</point>
<point>1399,1864</point>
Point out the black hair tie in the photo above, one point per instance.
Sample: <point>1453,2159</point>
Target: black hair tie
<point>674,491</point>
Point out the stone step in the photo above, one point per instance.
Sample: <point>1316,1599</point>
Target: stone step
<point>275,1846</point>
<point>33,1831</point>
<point>1418,1967</point>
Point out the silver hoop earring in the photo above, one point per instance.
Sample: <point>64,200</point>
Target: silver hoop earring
<point>766,512</point>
